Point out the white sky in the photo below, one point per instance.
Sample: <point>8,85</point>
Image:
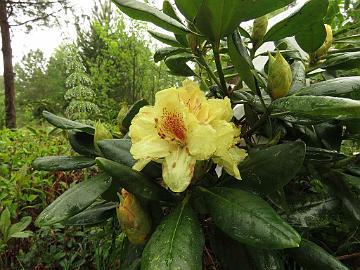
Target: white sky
<point>47,39</point>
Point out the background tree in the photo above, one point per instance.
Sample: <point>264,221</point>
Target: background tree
<point>28,14</point>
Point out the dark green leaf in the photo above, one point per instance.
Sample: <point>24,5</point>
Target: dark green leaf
<point>162,53</point>
<point>177,242</point>
<point>317,108</point>
<point>134,109</point>
<point>65,123</point>
<point>169,10</point>
<point>117,150</point>
<point>263,173</point>
<point>178,66</point>
<point>241,59</point>
<point>354,39</point>
<point>319,155</point>
<point>247,218</point>
<point>92,215</point>
<point>141,11</point>
<point>339,87</point>
<point>311,38</point>
<point>82,143</point>
<point>133,181</point>
<point>312,211</point>
<point>189,8</point>
<point>311,12</point>
<point>218,18</point>
<point>74,200</point>
<point>166,39</point>
<point>343,61</point>
<point>314,257</point>
<point>62,163</point>
<point>299,79</point>
<point>263,259</point>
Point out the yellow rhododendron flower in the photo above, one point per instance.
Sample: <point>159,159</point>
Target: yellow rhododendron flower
<point>181,128</point>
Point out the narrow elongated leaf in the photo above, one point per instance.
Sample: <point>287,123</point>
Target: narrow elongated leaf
<point>318,108</point>
<point>62,163</point>
<point>263,173</point>
<point>178,66</point>
<point>299,79</point>
<point>312,37</point>
<point>311,12</point>
<point>133,181</point>
<point>247,218</point>
<point>133,110</point>
<point>166,39</point>
<point>218,18</point>
<point>117,150</point>
<point>177,242</point>
<point>312,211</point>
<point>74,200</point>
<point>343,61</point>
<point>189,8</point>
<point>67,124</point>
<point>82,143</point>
<point>265,259</point>
<point>354,39</point>
<point>93,215</point>
<point>240,59</point>
<point>141,11</point>
<point>5,223</point>
<point>162,53</point>
<point>339,87</point>
<point>20,226</point>
<point>314,257</point>
<point>169,10</point>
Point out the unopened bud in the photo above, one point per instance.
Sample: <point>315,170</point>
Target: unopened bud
<point>279,76</point>
<point>101,133</point>
<point>133,219</point>
<point>327,43</point>
<point>259,29</point>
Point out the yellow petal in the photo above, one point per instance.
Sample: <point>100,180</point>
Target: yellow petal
<point>140,164</point>
<point>143,124</point>
<point>229,160</point>
<point>201,141</point>
<point>151,147</point>
<point>191,95</point>
<point>178,170</point>
<point>226,134</point>
<point>219,109</point>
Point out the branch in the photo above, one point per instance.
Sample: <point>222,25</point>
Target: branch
<point>36,19</point>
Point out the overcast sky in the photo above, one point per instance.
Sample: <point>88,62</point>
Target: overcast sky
<point>48,39</point>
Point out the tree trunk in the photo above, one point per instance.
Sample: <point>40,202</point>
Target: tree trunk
<point>10,113</point>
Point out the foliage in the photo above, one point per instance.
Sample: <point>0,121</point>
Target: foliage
<point>79,93</point>
<point>299,193</point>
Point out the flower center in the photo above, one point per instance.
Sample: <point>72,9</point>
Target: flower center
<point>171,126</point>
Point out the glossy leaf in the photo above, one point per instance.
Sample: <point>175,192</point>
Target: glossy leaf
<point>312,37</point>
<point>92,215</point>
<point>342,61</point>
<point>62,163</point>
<point>82,143</point>
<point>241,59</point>
<point>263,173</point>
<point>319,108</point>
<point>19,226</point>
<point>323,156</point>
<point>141,11</point>
<point>247,218</point>
<point>177,242</point>
<point>339,87</point>
<point>311,12</point>
<point>162,53</point>
<point>166,39</point>
<point>218,18</point>
<point>74,200</point>
<point>67,124</point>
<point>133,181</point>
<point>265,259</point>
<point>314,257</point>
<point>133,110</point>
<point>299,79</point>
<point>312,211</point>
<point>189,8</point>
<point>178,66</point>
<point>117,150</point>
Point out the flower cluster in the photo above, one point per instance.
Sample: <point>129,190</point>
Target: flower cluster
<point>182,127</point>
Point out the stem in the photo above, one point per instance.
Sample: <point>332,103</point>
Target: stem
<point>216,51</point>
<point>203,63</point>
